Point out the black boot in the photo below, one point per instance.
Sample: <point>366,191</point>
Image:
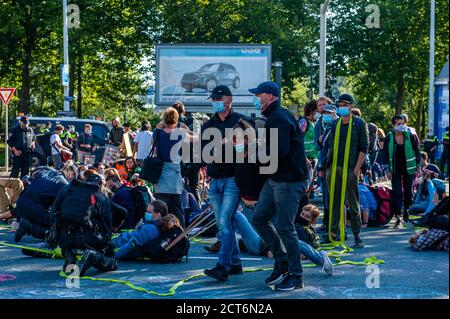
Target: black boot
<point>24,229</point>
<point>218,272</point>
<point>69,259</point>
<point>89,259</point>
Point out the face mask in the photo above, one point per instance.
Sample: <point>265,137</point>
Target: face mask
<point>344,111</point>
<point>257,102</point>
<point>148,216</point>
<point>218,106</point>
<point>303,221</point>
<point>420,180</point>
<point>88,132</point>
<point>317,116</point>
<point>400,128</point>
<point>327,118</point>
<point>239,148</point>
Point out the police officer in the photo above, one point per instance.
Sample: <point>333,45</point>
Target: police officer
<point>94,237</point>
<point>430,145</point>
<point>22,142</point>
<point>46,129</point>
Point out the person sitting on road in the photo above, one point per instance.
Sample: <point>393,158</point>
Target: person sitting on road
<point>434,173</point>
<point>123,196</point>
<point>433,239</point>
<point>131,245</point>
<point>368,204</point>
<point>10,189</point>
<point>423,201</point>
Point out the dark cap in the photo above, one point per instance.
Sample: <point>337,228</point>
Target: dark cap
<point>267,87</point>
<point>24,119</point>
<point>346,98</point>
<point>433,168</point>
<point>220,91</point>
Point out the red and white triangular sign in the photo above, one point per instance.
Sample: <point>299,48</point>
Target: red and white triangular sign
<point>6,94</point>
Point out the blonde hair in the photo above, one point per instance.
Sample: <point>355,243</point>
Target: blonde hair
<point>170,116</point>
<point>111,172</point>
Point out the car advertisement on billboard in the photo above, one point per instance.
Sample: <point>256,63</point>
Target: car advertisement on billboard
<point>189,73</point>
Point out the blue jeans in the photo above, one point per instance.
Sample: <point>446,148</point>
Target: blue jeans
<point>224,197</point>
<point>280,200</point>
<point>250,237</point>
<point>57,161</point>
<point>309,252</point>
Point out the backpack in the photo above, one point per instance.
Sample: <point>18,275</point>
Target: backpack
<point>142,198</point>
<point>383,196</point>
<point>78,205</point>
<point>156,249</point>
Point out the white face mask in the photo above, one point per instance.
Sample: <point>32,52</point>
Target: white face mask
<point>317,116</point>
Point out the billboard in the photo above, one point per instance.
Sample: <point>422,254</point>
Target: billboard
<point>189,73</point>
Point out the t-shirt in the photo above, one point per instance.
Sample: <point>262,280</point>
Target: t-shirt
<point>53,140</point>
<point>144,138</point>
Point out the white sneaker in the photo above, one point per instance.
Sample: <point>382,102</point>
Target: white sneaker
<point>328,267</point>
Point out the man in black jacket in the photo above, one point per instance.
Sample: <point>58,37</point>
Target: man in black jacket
<point>281,193</point>
<point>22,142</point>
<point>94,237</point>
<point>223,191</point>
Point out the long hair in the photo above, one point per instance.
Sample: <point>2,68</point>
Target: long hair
<point>170,221</point>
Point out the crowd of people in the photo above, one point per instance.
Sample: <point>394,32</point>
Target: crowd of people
<point>331,150</point>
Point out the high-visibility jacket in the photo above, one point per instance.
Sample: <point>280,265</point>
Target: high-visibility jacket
<point>310,148</point>
<point>411,164</point>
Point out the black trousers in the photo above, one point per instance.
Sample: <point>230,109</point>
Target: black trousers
<point>402,193</point>
<point>445,161</point>
<point>34,212</point>
<point>70,239</point>
<point>173,202</point>
<point>21,164</point>
<point>192,176</point>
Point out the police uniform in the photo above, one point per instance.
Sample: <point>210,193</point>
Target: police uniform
<point>94,240</point>
<point>22,139</point>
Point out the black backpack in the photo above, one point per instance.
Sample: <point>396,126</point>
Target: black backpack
<point>78,205</point>
<point>156,250</point>
<point>141,197</point>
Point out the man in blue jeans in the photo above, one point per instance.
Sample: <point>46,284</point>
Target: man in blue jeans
<point>223,191</point>
<point>280,196</point>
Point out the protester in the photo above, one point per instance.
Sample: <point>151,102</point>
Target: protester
<point>10,189</point>
<point>434,173</point>
<point>287,185</point>
<point>423,201</point>
<point>143,143</point>
<point>116,133</point>
<point>445,161</point>
<point>168,142</point>
<point>85,143</point>
<point>223,192</point>
<point>307,128</point>
<point>379,171</point>
<point>128,169</point>
<point>433,239</point>
<point>57,147</point>
<point>353,146</point>
<point>401,151</point>
<point>368,204</point>
<point>22,142</point>
<point>430,145</point>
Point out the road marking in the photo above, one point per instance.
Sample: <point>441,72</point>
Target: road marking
<point>215,258</point>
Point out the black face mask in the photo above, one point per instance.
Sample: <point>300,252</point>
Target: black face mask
<point>303,221</point>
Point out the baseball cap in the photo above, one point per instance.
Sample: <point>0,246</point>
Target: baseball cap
<point>346,98</point>
<point>267,87</point>
<point>219,92</point>
<point>329,108</point>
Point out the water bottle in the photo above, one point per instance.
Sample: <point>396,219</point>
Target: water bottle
<point>165,243</point>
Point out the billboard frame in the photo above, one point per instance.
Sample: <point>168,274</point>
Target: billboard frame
<point>193,107</point>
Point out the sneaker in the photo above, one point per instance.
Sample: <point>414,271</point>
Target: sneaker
<point>327,266</point>
<point>398,223</point>
<point>358,242</point>
<point>279,272</point>
<point>214,248</point>
<point>87,261</point>
<point>235,270</point>
<point>218,272</point>
<point>24,229</point>
<point>290,282</point>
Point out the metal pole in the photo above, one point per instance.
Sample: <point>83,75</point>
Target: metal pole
<point>431,80</point>
<point>6,139</point>
<point>323,47</point>
<point>66,53</point>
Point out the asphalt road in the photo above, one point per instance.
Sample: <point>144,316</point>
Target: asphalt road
<point>404,275</point>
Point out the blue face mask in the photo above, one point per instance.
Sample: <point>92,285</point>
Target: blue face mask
<point>239,148</point>
<point>148,216</point>
<point>344,111</point>
<point>218,106</point>
<point>257,102</point>
<point>327,118</point>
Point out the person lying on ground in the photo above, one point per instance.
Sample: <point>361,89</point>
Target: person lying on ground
<point>433,239</point>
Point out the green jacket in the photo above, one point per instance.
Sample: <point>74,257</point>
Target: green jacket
<point>412,152</point>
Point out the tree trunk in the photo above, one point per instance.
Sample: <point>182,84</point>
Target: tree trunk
<point>25,89</point>
<point>419,126</point>
<point>72,76</point>
<point>400,98</point>
<point>79,84</point>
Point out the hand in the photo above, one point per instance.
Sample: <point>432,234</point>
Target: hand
<point>33,146</point>
<point>17,152</point>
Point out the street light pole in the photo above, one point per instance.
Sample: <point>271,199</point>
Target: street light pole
<point>431,80</point>
<point>66,54</point>
<point>323,44</point>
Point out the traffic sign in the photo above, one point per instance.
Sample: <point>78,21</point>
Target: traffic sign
<point>6,94</point>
